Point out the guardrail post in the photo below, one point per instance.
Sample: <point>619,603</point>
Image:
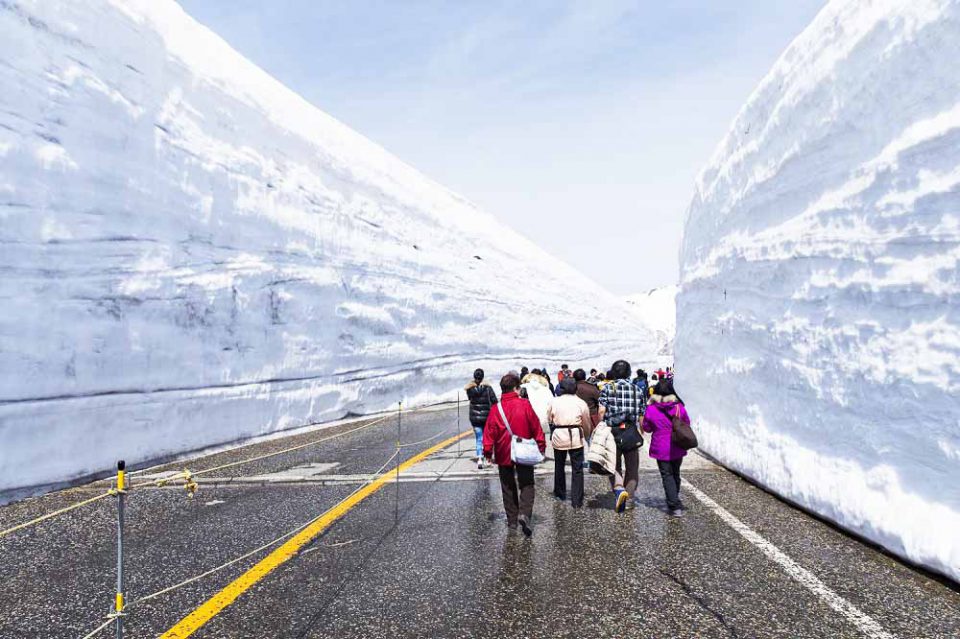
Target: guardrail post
<point>458,424</point>
<point>396,501</point>
<point>121,496</point>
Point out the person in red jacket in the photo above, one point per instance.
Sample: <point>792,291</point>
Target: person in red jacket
<point>516,482</point>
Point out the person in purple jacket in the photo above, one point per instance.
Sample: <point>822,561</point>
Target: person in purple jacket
<point>664,405</point>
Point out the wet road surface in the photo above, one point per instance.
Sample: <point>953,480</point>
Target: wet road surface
<point>435,559</point>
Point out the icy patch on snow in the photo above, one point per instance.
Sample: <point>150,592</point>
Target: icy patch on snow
<point>819,338</point>
<point>193,254</point>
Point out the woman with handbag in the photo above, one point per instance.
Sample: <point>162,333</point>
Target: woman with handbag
<point>570,425</point>
<point>512,430</point>
<point>664,408</point>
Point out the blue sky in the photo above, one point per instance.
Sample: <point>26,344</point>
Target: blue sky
<point>580,124</point>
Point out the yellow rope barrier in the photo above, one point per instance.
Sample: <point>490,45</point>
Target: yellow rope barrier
<point>188,476</point>
<point>27,524</point>
<point>246,555</point>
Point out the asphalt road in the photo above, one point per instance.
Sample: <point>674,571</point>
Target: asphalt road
<point>435,559</point>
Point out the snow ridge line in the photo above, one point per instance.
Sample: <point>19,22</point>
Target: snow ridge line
<point>356,375</point>
<point>864,622</point>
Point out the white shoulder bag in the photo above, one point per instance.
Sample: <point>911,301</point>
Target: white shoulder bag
<point>523,452</point>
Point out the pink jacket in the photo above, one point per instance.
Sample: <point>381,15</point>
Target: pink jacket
<point>656,422</point>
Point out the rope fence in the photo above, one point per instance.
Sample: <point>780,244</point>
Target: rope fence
<point>111,618</point>
<point>123,486</point>
<point>188,475</point>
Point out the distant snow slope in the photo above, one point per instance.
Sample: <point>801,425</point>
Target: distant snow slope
<point>191,254</point>
<point>658,309</point>
<point>819,326</point>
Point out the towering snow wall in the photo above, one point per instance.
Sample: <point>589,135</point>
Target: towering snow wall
<point>819,320</point>
<point>657,308</point>
<point>192,254</point>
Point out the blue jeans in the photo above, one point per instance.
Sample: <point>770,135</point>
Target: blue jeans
<point>478,432</point>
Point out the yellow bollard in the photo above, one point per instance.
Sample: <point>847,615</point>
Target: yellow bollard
<point>121,495</point>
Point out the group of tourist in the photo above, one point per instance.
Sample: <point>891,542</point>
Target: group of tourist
<point>595,421</point>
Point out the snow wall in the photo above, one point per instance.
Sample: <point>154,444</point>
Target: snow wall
<point>818,337</point>
<point>192,254</point>
<point>657,308</point>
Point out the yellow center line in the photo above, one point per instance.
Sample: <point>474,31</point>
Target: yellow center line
<point>210,608</point>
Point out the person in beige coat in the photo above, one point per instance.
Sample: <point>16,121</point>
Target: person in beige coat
<point>569,419</point>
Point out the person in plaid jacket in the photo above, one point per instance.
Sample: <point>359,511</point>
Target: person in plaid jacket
<point>621,403</point>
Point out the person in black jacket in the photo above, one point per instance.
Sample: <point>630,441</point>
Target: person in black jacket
<point>482,399</point>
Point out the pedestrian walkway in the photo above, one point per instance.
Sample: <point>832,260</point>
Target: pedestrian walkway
<point>431,556</point>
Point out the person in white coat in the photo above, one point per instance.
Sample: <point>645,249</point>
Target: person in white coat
<point>570,423</point>
<point>536,390</point>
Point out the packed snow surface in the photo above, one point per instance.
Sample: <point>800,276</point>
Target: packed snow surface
<point>193,254</point>
<point>657,308</point>
<point>818,334</point>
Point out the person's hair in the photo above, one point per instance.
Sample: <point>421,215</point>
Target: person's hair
<point>593,371</point>
<point>564,367</point>
<point>509,383</point>
<point>524,371</point>
<point>567,387</point>
<point>642,374</point>
<point>620,369</point>
<point>580,375</point>
<point>478,375</point>
<point>665,387</point>
<point>601,376</point>
<point>536,371</point>
<point>654,377</point>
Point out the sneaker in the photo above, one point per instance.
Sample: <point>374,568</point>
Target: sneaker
<point>676,512</point>
<point>525,526</point>
<point>622,498</point>
<point>480,463</point>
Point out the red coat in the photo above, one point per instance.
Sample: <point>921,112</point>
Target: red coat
<point>523,421</point>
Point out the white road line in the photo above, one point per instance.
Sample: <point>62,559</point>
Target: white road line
<point>866,624</point>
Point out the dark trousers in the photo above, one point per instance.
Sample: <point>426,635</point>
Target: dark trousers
<point>560,475</point>
<point>670,474</point>
<point>516,484</point>
<point>628,471</point>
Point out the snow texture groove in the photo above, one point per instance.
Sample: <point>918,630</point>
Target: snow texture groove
<point>190,253</point>
<point>818,335</point>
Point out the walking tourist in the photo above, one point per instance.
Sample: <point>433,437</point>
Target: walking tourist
<point>621,408</point>
<point>570,425</point>
<point>643,387</point>
<point>664,405</point>
<point>482,398</point>
<point>536,390</point>
<point>590,394</point>
<point>516,481</point>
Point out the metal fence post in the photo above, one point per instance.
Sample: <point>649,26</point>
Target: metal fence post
<point>458,424</point>
<point>121,496</point>
<point>396,501</point>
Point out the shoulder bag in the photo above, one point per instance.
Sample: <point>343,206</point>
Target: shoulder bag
<point>624,429</point>
<point>523,452</point>
<point>682,435</point>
